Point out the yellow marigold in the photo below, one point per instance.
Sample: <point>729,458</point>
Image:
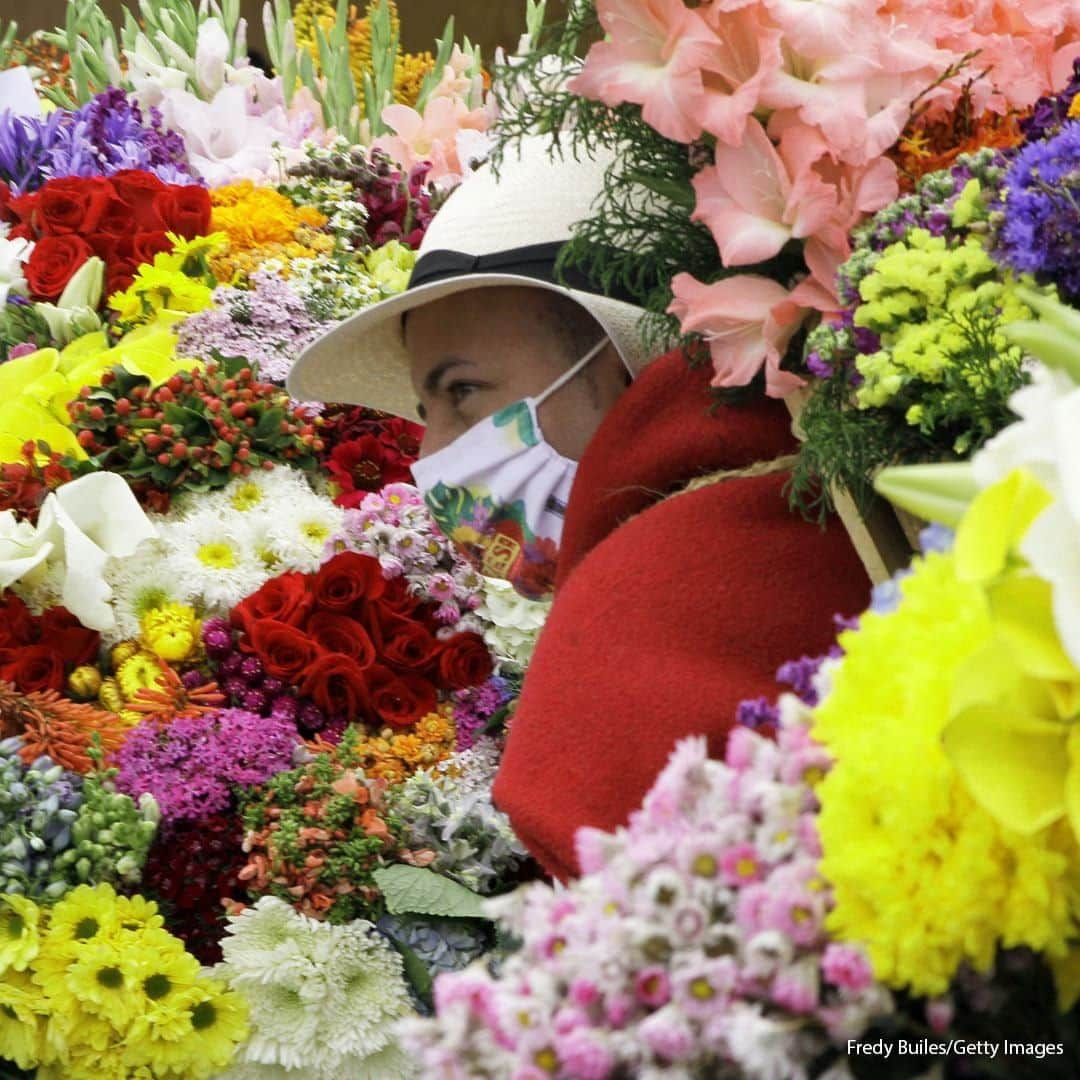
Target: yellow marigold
<point>924,877</point>
<point>392,771</point>
<point>255,216</point>
<point>407,748</point>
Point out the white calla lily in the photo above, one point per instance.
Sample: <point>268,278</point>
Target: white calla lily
<point>80,527</point>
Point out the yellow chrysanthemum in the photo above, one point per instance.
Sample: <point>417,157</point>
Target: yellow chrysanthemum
<point>410,70</point>
<point>22,1016</point>
<point>172,632</point>
<point>18,932</point>
<point>924,877</point>
<point>141,672</point>
<point>253,216</point>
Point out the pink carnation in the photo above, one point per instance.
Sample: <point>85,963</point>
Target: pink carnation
<point>846,966</point>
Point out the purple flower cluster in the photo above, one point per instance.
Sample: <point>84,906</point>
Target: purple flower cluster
<point>191,764</point>
<point>474,708</point>
<point>1040,233</point>
<point>267,324</point>
<point>1052,111</point>
<point>249,687</point>
<point>108,134</point>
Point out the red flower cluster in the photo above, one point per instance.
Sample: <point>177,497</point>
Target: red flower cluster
<point>369,450</point>
<point>24,484</point>
<point>123,220</point>
<point>360,647</point>
<point>37,651</point>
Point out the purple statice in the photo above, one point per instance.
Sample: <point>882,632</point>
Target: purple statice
<point>268,324</point>
<point>192,764</point>
<point>799,675</point>
<point>1052,111</point>
<point>757,714</point>
<point>474,709</point>
<point>1040,229</point>
<point>108,134</point>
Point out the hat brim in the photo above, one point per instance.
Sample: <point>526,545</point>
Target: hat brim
<point>363,359</point>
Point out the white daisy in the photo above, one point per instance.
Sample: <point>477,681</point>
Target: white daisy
<point>140,583</point>
<point>297,534</point>
<point>213,559</point>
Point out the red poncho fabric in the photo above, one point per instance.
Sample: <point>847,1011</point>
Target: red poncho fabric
<point>668,611</point>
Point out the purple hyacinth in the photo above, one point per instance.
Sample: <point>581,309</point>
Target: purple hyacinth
<point>108,134</point>
<point>1040,234</point>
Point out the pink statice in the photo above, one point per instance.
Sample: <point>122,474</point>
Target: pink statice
<point>192,764</point>
<point>394,526</point>
<point>689,943</point>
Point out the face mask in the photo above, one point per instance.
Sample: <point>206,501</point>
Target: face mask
<point>499,492</point>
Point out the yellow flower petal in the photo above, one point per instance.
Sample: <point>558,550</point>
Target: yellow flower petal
<point>83,349</point>
<point>22,372</point>
<point>1072,780</point>
<point>995,522</point>
<point>1014,764</point>
<point>24,419</point>
<point>1022,608</point>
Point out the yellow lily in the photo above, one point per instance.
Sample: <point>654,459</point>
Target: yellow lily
<point>1014,736</point>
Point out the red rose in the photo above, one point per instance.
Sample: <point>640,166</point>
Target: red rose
<point>347,580</point>
<point>184,210</point>
<point>408,645</point>
<point>32,667</point>
<point>464,662</point>
<point>75,205</point>
<point>284,650</point>
<point>340,634</point>
<point>139,189</point>
<point>400,700</point>
<point>286,599</point>
<point>397,598</point>
<point>53,262</point>
<point>67,636</point>
<point>338,685</point>
<point>17,625</point>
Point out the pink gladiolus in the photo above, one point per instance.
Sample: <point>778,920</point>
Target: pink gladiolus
<point>432,137</point>
<point>654,57</point>
<point>748,320</point>
<point>753,206</point>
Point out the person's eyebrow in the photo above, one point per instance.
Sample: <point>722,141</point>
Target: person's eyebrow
<point>434,376</point>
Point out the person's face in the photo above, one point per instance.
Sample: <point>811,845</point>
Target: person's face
<point>479,351</point>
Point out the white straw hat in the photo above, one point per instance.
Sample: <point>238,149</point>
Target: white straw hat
<point>491,231</point>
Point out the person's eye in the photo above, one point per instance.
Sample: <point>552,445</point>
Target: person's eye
<point>459,391</point>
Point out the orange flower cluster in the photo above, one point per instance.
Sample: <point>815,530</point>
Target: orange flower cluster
<point>929,145</point>
<point>394,755</point>
<point>64,730</point>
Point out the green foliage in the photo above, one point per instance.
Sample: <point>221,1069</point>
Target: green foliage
<point>415,890</point>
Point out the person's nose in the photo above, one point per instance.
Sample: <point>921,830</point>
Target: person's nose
<point>437,434</point>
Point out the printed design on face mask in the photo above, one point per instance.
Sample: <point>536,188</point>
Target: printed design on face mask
<point>518,418</point>
<point>495,538</point>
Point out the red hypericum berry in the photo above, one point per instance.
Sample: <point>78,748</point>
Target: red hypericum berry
<point>108,378</point>
<point>85,438</point>
<point>85,392</point>
<point>96,412</point>
<point>175,384</point>
<point>146,412</point>
<point>168,430</point>
<point>153,442</point>
<point>78,408</point>
<point>214,405</point>
<point>122,431</point>
<point>238,408</point>
<point>235,468</point>
<point>139,393</point>
<point>267,465</point>
<point>318,446</point>
<point>243,453</point>
<point>123,407</point>
<point>164,459</point>
<point>180,450</point>
<point>163,394</point>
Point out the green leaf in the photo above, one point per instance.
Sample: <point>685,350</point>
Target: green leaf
<point>269,424</point>
<point>416,971</point>
<point>413,889</point>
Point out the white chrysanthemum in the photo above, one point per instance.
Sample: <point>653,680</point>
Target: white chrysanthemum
<point>139,585</point>
<point>213,559</point>
<point>263,491</point>
<point>322,998</point>
<point>43,587</point>
<point>296,536</point>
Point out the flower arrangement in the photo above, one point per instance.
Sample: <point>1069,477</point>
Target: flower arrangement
<point>94,983</point>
